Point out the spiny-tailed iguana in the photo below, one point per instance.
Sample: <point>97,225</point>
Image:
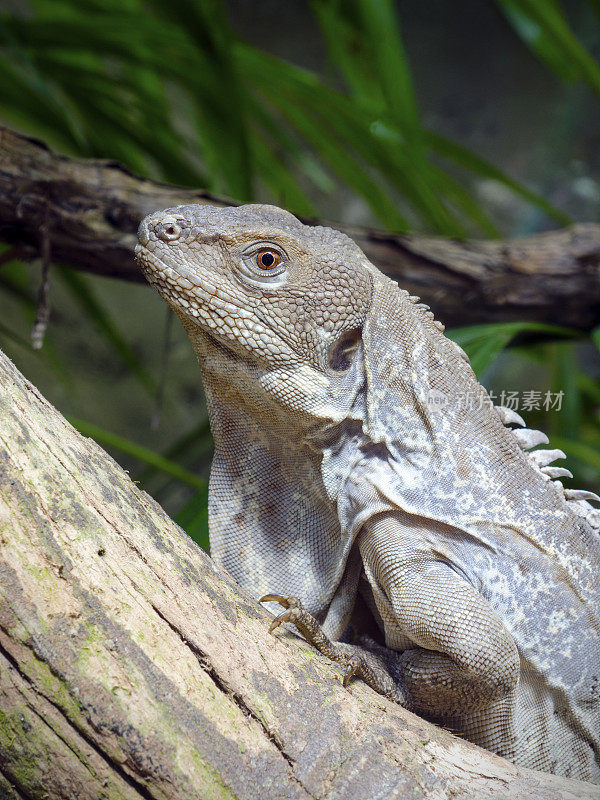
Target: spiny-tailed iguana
<point>468,573</point>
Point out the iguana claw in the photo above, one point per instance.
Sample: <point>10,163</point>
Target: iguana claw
<point>292,604</point>
<point>370,666</point>
<point>286,616</point>
<point>353,668</point>
<point>284,600</point>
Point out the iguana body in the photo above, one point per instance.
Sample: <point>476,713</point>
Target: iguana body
<point>361,468</point>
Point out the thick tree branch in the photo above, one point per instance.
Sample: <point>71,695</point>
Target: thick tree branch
<point>94,208</point>
<point>131,668</point>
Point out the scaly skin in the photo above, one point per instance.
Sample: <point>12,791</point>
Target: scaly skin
<point>364,480</point>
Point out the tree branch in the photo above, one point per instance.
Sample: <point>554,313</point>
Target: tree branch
<point>95,207</point>
<point>132,668</point>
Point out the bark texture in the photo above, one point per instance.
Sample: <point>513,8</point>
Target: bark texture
<point>91,210</point>
<point>132,668</point>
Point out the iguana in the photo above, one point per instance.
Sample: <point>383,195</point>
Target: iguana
<point>408,533</point>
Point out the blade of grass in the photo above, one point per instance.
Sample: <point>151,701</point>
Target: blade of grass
<point>193,518</point>
<point>223,129</point>
<point>333,151</point>
<point>372,58</point>
<point>550,36</point>
<point>381,28</point>
<point>484,343</point>
<point>84,296</point>
<point>534,35</point>
<point>284,188</point>
<point>157,461</point>
<point>479,166</point>
<point>347,52</point>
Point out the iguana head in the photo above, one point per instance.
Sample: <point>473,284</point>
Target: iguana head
<point>259,282</point>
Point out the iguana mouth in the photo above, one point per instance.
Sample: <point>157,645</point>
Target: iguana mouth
<point>179,283</point>
<point>198,296</point>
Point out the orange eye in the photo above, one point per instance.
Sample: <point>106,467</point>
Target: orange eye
<point>268,259</point>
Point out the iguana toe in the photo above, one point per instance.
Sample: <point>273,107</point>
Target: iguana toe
<point>353,668</point>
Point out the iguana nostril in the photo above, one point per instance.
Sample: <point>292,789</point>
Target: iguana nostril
<point>167,230</point>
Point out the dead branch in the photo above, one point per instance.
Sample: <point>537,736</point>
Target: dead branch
<point>95,207</point>
<point>132,668</point>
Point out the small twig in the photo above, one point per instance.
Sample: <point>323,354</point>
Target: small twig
<point>42,312</point>
<point>164,363</point>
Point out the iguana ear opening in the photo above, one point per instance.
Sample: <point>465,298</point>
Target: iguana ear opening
<point>342,351</point>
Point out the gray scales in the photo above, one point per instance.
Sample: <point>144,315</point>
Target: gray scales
<point>423,545</point>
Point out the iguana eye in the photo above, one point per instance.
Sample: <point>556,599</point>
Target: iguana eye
<point>264,264</point>
<point>268,259</point>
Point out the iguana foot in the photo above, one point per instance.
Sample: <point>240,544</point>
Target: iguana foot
<point>376,666</point>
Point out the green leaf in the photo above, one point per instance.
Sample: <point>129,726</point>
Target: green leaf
<point>155,460</point>
<point>595,337</point>
<point>484,343</point>
<point>347,51</point>
<point>290,98</point>
<point>381,28</point>
<point>543,26</point>
<point>284,188</point>
<point>85,298</point>
<point>539,40</point>
<point>193,518</point>
<point>479,166</point>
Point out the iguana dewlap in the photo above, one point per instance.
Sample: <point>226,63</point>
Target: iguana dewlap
<point>351,473</point>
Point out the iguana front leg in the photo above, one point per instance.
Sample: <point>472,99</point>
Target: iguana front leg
<point>464,657</point>
<point>376,665</point>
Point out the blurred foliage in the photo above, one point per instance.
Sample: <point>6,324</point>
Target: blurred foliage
<point>167,88</point>
<point>171,91</point>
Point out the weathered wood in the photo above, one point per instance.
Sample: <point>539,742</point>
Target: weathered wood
<point>93,209</point>
<point>131,667</point>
